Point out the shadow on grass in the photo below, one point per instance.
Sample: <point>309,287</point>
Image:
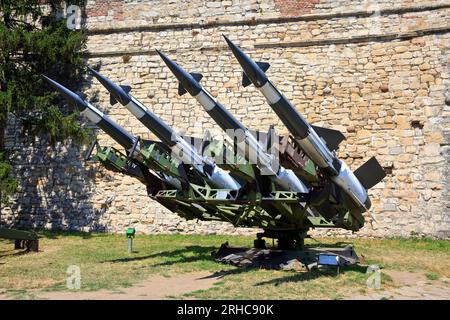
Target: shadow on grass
<point>339,244</point>
<point>189,254</point>
<point>15,253</point>
<point>58,234</point>
<point>184,255</point>
<point>192,254</point>
<point>223,273</point>
<point>301,276</point>
<point>314,274</point>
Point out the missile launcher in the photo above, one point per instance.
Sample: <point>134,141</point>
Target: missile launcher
<point>284,185</point>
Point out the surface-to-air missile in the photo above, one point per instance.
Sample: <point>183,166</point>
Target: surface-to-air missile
<point>251,148</point>
<point>188,197</point>
<point>318,143</point>
<point>184,151</point>
<point>110,127</point>
<point>139,162</point>
<point>302,185</point>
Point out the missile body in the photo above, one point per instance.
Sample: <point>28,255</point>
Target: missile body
<point>308,139</point>
<point>115,131</point>
<point>180,147</point>
<point>251,148</point>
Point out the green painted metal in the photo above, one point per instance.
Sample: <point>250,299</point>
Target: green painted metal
<point>280,213</point>
<point>14,234</point>
<point>130,233</point>
<point>28,240</point>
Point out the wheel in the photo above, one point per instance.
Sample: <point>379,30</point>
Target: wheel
<point>285,243</point>
<point>259,244</point>
<point>18,244</point>
<point>32,245</point>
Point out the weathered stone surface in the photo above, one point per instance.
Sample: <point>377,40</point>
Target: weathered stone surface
<point>388,98</point>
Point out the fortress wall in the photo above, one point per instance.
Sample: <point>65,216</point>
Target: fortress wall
<point>376,71</point>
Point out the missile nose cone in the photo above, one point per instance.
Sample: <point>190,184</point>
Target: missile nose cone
<point>118,93</point>
<point>232,46</point>
<point>163,56</point>
<point>70,96</point>
<point>187,81</point>
<point>254,71</point>
<point>92,70</point>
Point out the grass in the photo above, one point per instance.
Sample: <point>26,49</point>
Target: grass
<point>105,264</point>
<point>432,276</point>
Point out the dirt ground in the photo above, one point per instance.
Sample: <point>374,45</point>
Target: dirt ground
<point>406,285</point>
<point>155,288</point>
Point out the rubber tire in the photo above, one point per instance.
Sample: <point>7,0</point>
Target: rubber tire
<point>259,243</point>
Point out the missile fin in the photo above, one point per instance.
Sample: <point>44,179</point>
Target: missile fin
<point>183,169</point>
<point>181,90</point>
<point>263,65</point>
<point>332,137</point>
<point>127,89</point>
<point>136,143</point>
<point>112,100</point>
<point>196,76</point>
<point>270,133</point>
<point>206,141</point>
<point>370,173</point>
<point>246,81</point>
<point>87,157</point>
<point>209,169</point>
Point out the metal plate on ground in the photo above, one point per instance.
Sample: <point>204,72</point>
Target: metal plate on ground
<point>299,260</point>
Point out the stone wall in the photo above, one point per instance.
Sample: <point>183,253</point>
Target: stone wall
<point>377,71</point>
<point>103,14</point>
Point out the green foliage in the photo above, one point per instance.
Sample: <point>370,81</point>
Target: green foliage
<point>29,50</point>
<point>8,185</point>
<point>34,42</point>
<point>57,126</point>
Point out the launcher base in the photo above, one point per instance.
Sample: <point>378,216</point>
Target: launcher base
<point>298,259</point>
